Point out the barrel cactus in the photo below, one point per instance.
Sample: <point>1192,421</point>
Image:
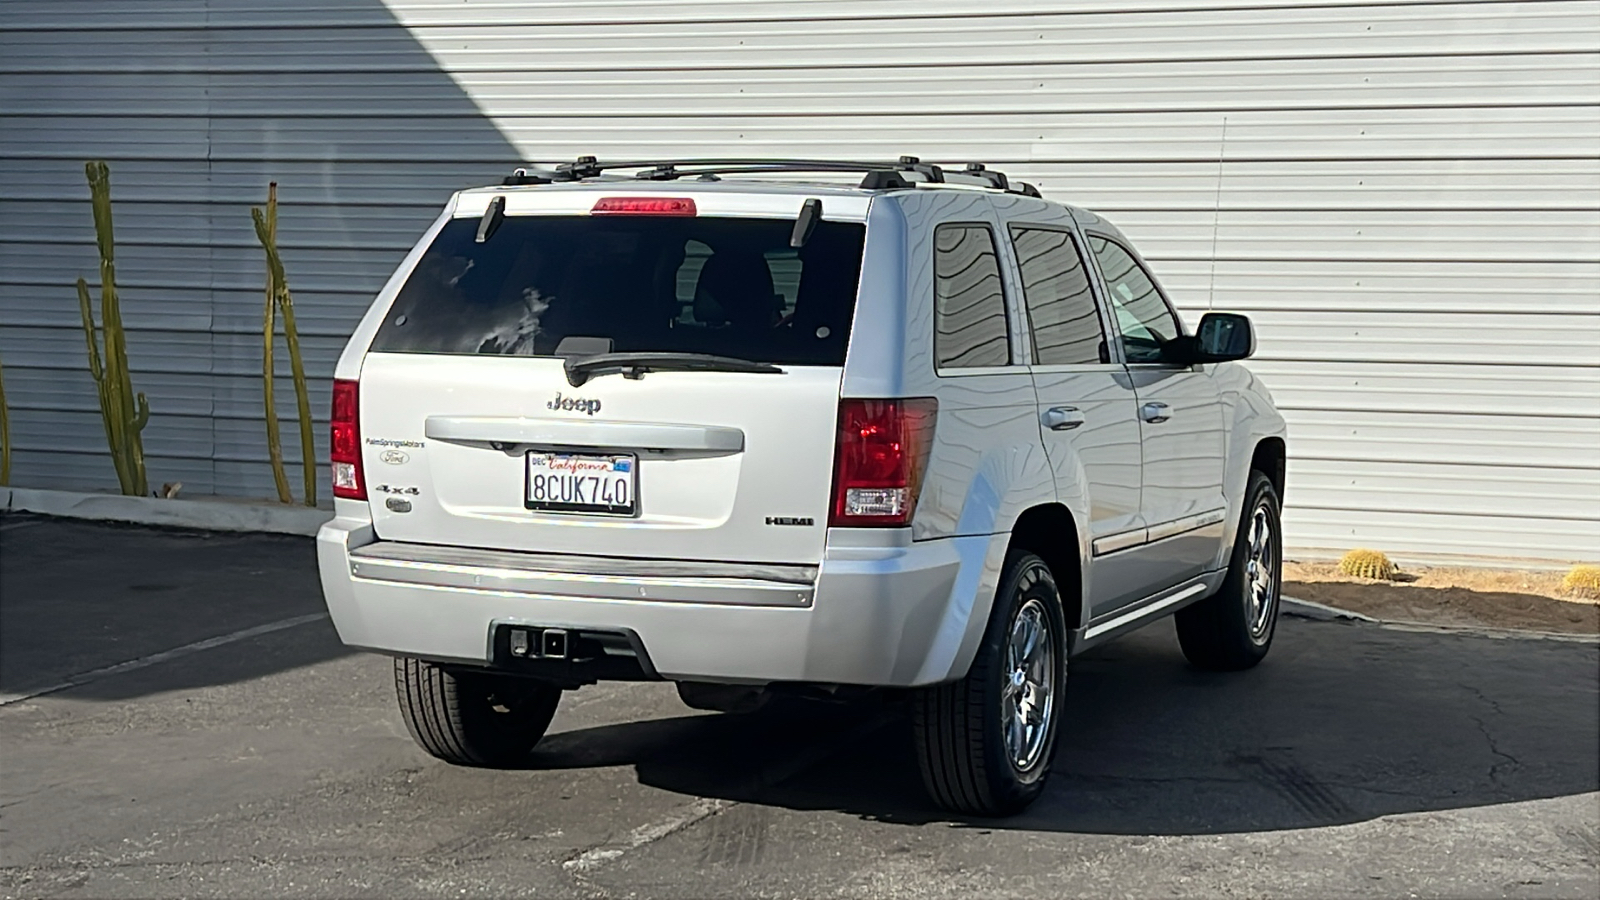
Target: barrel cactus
<point>1372,564</point>
<point>1582,581</point>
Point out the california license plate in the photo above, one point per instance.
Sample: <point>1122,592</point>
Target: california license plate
<point>583,483</point>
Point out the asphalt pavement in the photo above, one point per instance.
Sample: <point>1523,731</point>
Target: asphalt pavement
<point>178,719</point>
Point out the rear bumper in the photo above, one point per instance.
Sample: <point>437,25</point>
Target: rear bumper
<point>899,615</point>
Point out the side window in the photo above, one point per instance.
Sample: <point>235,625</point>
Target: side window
<point>1145,320</point>
<point>1055,286</point>
<point>969,303</point>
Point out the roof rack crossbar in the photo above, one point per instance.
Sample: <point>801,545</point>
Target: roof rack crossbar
<point>669,172</point>
<point>877,174</point>
<point>672,169</point>
<point>983,173</point>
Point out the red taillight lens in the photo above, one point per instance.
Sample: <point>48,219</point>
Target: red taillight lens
<point>645,206</point>
<point>345,445</point>
<point>882,451</point>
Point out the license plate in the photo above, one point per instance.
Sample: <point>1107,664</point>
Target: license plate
<point>583,483</point>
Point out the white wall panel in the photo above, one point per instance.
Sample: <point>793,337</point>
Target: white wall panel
<point>1405,196</point>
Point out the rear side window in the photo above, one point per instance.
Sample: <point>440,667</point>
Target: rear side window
<point>1055,286</point>
<point>969,303</point>
<point>719,285</point>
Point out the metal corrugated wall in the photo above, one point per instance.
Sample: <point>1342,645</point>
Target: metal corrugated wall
<point>197,104</point>
<point>1405,196</point>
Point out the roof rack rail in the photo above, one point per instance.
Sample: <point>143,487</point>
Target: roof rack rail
<point>878,175</point>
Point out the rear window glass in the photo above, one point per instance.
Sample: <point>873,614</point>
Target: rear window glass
<point>969,303</point>
<point>725,286</point>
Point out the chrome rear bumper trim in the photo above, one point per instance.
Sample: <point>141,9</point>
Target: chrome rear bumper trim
<point>595,578</point>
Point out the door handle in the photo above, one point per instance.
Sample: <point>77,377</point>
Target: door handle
<point>1154,412</point>
<point>1063,418</point>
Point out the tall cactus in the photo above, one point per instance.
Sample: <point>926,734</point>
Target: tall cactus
<point>123,412</point>
<point>5,435</point>
<point>267,230</point>
<point>281,302</point>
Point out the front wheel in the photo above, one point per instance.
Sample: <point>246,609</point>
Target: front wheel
<point>1232,629</point>
<point>473,718</point>
<point>984,743</point>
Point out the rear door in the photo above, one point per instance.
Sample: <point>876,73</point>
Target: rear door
<point>1085,403</point>
<point>1180,424</point>
<point>474,435</point>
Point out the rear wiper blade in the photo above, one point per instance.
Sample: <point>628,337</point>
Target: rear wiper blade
<point>635,365</point>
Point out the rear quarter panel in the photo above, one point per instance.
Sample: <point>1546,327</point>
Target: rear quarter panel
<point>987,464</point>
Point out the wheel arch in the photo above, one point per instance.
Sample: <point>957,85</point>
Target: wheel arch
<point>1050,532</point>
<point>1271,458</point>
<point>1256,439</point>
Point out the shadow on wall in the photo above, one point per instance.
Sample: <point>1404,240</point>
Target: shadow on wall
<point>197,106</point>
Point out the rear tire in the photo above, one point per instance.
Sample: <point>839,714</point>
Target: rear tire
<point>473,718</point>
<point>984,743</point>
<point>1232,629</point>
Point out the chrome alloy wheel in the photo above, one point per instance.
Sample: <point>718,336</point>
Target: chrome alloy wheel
<point>1027,698</point>
<point>1261,573</point>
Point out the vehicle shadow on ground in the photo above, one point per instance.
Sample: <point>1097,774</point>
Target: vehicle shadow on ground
<point>1343,723</point>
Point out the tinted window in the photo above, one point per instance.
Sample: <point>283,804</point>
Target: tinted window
<point>1055,286</point>
<point>1143,317</point>
<point>728,286</point>
<point>970,305</point>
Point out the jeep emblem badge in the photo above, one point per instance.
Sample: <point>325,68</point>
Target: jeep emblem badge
<point>573,404</point>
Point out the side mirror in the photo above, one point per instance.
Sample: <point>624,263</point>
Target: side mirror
<point>1223,337</point>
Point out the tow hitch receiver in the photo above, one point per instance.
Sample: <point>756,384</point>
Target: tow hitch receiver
<point>568,656</point>
<point>538,643</point>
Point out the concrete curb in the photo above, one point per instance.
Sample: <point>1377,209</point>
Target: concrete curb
<point>1305,609</point>
<point>212,515</point>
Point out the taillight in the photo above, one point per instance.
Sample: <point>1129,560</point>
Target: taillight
<point>880,458</point>
<point>345,445</point>
<point>645,206</point>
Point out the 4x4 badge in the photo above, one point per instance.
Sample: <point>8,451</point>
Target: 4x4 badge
<point>573,404</point>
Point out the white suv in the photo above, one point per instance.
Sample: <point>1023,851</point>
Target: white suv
<point>712,423</point>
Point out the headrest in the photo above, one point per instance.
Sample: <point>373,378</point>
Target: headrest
<point>735,287</point>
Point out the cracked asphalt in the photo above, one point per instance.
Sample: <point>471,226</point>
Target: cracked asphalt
<point>237,755</point>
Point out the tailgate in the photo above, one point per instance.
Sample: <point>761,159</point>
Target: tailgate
<point>477,433</point>
<point>730,466</point>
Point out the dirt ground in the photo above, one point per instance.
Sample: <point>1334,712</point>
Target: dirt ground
<point>1449,596</point>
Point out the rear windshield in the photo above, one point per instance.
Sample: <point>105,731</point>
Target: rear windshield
<point>725,286</point>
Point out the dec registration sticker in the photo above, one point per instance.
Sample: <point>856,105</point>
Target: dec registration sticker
<point>583,483</point>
